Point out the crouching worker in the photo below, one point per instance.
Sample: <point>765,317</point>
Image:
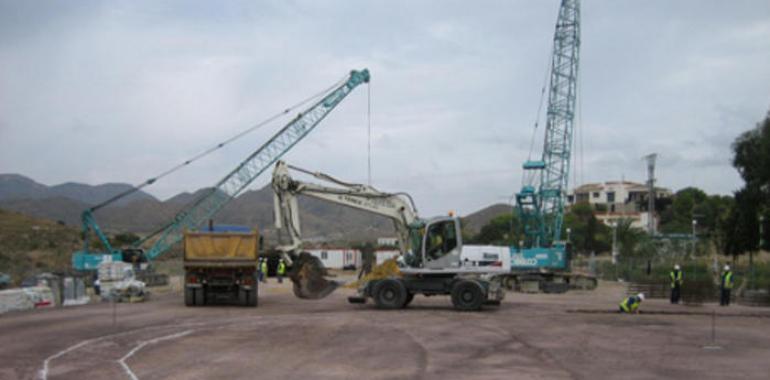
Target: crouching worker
<point>631,304</point>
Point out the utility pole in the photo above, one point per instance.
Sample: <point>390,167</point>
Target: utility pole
<point>615,241</point>
<point>651,192</point>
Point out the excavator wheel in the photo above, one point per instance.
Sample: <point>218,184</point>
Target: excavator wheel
<point>467,295</point>
<point>409,298</point>
<point>307,275</point>
<point>390,293</point>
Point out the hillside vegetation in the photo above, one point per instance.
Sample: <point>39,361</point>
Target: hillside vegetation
<point>29,245</point>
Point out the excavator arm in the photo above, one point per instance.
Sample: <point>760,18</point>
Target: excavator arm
<point>307,273</point>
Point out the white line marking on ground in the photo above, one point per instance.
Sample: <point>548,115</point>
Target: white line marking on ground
<point>141,345</point>
<point>43,373</point>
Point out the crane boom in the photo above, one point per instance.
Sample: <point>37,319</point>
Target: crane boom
<point>541,201</point>
<point>248,170</point>
<point>233,183</point>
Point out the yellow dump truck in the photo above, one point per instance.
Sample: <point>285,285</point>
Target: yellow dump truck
<point>221,266</point>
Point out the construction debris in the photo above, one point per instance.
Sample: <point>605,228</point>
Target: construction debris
<point>388,268</point>
<point>118,283</point>
<point>26,299</point>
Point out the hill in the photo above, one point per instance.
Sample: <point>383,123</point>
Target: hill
<point>15,187</point>
<point>473,222</point>
<point>30,245</point>
<point>143,213</point>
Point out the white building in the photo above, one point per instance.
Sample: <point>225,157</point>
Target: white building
<point>614,200</point>
<point>385,254</point>
<point>337,258</point>
<point>387,242</point>
<point>340,258</point>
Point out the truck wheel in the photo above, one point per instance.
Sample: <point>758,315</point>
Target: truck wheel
<point>390,294</point>
<point>200,296</point>
<point>247,297</point>
<point>188,297</point>
<point>254,294</point>
<point>409,298</point>
<point>467,295</point>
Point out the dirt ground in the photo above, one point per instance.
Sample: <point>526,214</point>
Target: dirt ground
<point>573,335</point>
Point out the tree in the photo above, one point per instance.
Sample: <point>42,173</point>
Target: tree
<point>752,158</point>
<point>123,239</point>
<point>742,224</point>
<point>501,230</point>
<point>630,239</point>
<point>588,234</point>
<point>687,204</point>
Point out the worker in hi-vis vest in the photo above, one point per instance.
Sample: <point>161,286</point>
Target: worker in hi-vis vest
<point>725,286</point>
<point>263,269</point>
<point>630,305</point>
<point>676,283</point>
<point>281,271</point>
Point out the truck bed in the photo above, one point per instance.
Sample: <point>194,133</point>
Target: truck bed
<point>220,248</point>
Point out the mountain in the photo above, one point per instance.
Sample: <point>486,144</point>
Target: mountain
<point>15,187</point>
<point>97,194</point>
<point>473,222</point>
<point>143,213</point>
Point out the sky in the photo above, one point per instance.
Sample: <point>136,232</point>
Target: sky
<point>119,91</point>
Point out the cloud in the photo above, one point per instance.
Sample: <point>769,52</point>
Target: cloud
<point>119,91</point>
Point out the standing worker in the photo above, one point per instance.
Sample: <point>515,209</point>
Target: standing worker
<point>676,283</point>
<point>631,304</point>
<point>281,271</point>
<point>725,286</point>
<point>263,267</point>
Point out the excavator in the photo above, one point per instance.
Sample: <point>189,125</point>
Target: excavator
<point>432,260</point>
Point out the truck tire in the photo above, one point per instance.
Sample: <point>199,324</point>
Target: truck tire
<point>390,293</point>
<point>247,297</point>
<point>199,298</point>
<point>188,297</point>
<point>409,298</point>
<point>467,295</point>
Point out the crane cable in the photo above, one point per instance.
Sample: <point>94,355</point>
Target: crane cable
<point>546,81</point>
<point>216,147</point>
<point>369,133</point>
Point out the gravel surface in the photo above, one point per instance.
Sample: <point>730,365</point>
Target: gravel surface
<point>564,336</point>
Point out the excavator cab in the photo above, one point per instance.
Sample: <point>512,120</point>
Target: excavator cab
<point>441,244</point>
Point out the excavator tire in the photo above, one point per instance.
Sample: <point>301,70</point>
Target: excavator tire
<point>307,275</point>
<point>390,293</point>
<point>467,295</point>
<point>409,298</point>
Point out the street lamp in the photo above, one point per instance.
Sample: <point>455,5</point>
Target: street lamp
<point>694,224</point>
<point>569,231</point>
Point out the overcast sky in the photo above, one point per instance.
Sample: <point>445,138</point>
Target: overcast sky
<point>118,91</point>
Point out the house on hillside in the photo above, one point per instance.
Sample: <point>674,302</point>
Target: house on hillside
<point>615,200</point>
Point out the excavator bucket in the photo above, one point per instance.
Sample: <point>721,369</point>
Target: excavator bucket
<point>307,274</point>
